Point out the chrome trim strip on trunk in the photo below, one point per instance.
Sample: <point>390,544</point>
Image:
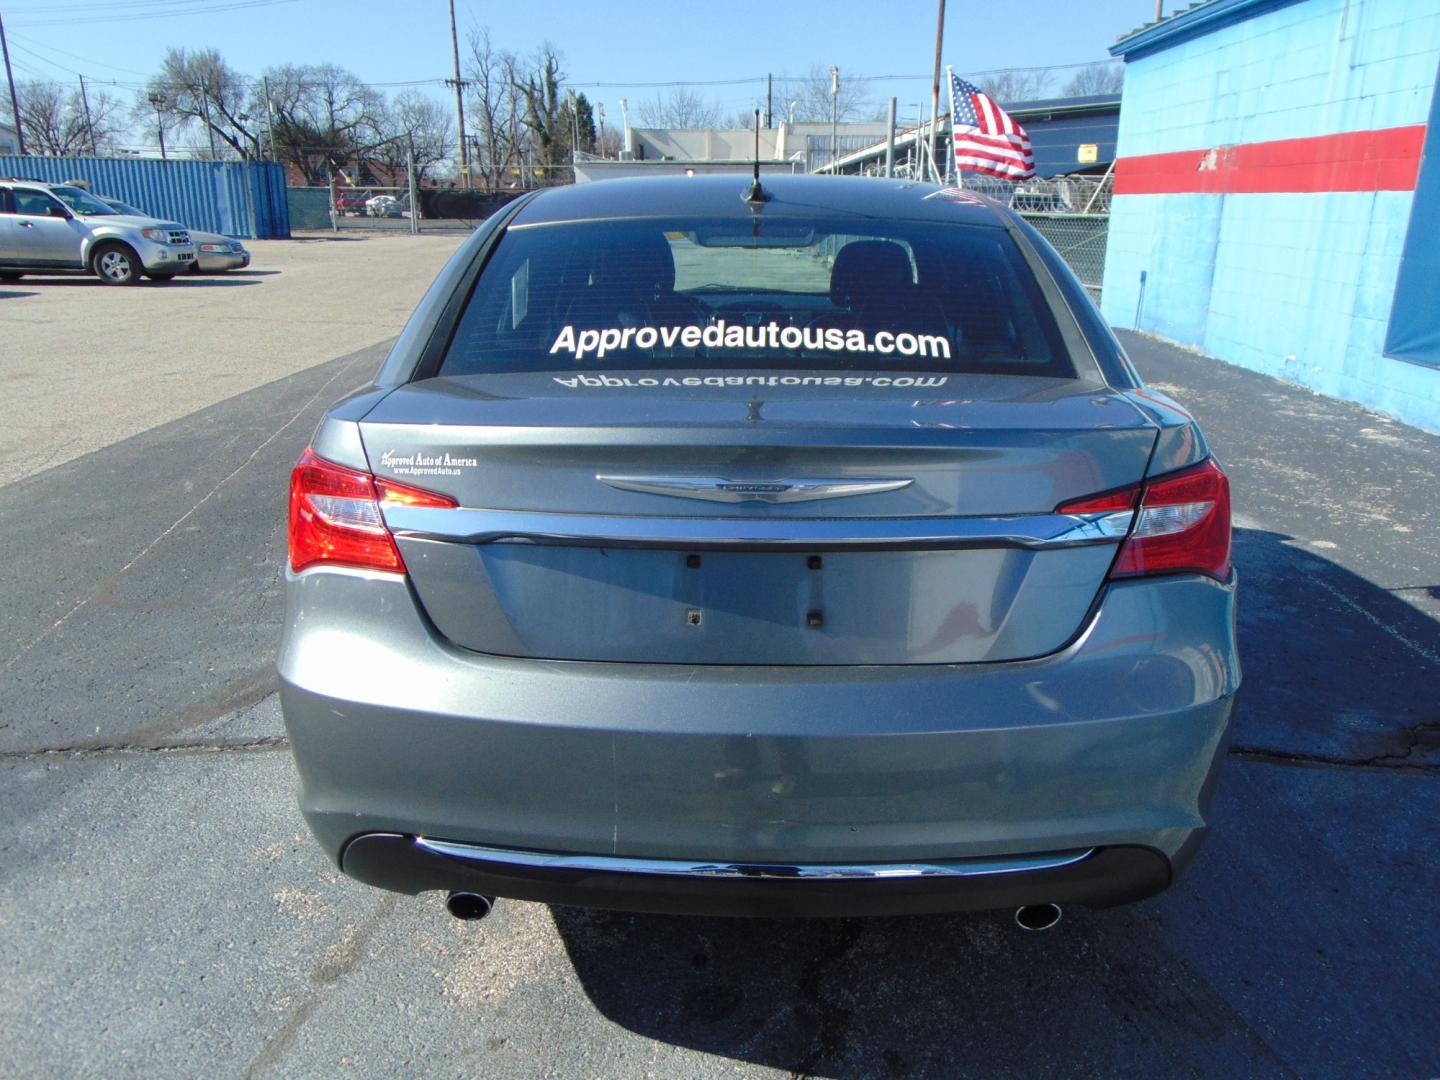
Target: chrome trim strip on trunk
<point>719,489</point>
<point>1034,531</point>
<point>609,864</point>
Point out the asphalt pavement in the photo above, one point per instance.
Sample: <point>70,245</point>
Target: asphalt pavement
<point>163,913</point>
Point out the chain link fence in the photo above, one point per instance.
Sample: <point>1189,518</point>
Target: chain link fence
<point>1080,241</point>
<point>1071,212</point>
<point>423,207</point>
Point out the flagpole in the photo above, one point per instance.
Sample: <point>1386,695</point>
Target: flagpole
<point>950,165</point>
<point>935,91</point>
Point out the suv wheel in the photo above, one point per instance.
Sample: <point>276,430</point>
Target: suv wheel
<point>116,264</point>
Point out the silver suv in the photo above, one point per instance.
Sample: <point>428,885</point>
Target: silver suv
<point>46,228</point>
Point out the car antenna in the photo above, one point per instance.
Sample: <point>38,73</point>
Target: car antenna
<point>755,193</point>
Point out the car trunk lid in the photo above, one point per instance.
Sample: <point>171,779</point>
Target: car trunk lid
<point>763,522</point>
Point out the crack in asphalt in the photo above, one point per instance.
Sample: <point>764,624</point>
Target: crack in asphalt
<point>112,749</point>
<point>1414,735</point>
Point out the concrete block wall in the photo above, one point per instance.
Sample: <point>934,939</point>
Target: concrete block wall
<point>1294,283</point>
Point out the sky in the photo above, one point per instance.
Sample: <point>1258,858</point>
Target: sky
<point>611,48</point>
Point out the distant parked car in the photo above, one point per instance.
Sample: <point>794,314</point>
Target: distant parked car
<point>59,228</point>
<point>351,202</point>
<point>387,206</point>
<point>213,252</point>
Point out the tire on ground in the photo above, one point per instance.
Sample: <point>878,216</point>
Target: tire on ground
<point>115,263</point>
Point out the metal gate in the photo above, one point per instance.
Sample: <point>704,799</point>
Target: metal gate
<point>1080,241</point>
<point>1072,212</point>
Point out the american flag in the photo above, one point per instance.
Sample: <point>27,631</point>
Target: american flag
<point>987,139</point>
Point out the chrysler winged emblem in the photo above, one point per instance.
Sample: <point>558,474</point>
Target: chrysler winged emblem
<point>719,489</point>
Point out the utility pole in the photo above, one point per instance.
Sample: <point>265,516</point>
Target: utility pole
<point>769,98</point>
<point>205,108</point>
<point>574,124</point>
<point>1159,10</point>
<point>14,101</point>
<point>835,118</point>
<point>459,85</point>
<point>414,198</point>
<point>890,140</point>
<point>269,114</point>
<point>89,127</point>
<point>935,90</point>
<point>158,102</point>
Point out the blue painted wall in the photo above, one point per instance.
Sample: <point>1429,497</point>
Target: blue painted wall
<point>1295,285</point>
<point>234,198</point>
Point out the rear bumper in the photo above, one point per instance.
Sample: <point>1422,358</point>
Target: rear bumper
<point>1110,744</point>
<point>1096,878</point>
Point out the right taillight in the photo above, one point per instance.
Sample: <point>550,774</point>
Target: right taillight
<point>1182,523</point>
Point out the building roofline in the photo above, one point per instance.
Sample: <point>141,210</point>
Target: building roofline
<point>1198,19</point>
<point>1062,105</point>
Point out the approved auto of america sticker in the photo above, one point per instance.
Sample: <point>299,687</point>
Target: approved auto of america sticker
<point>417,464</point>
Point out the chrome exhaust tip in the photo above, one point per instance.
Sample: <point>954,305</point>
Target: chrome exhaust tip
<point>469,906</point>
<point>1037,916</point>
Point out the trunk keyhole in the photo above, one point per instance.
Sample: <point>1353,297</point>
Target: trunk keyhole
<point>692,616</point>
<point>692,562</point>
<point>814,617</point>
<point>815,562</point>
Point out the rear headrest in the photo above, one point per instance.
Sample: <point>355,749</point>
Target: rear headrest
<point>868,268</point>
<point>643,262</point>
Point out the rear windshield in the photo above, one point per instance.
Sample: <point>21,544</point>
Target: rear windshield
<point>782,293</point>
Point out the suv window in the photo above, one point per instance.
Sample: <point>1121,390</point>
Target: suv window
<point>7,203</point>
<point>32,202</point>
<point>785,292</point>
<point>82,202</point>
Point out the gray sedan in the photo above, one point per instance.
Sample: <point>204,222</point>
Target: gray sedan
<point>808,548</point>
<point>213,252</point>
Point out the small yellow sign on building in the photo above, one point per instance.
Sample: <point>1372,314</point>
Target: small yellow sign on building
<point>1089,153</point>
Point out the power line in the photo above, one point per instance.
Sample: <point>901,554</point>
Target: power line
<point>76,56</point>
<point>42,59</point>
<point>171,13</point>
<point>30,7</point>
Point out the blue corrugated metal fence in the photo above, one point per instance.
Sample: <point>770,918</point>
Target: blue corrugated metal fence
<point>242,199</point>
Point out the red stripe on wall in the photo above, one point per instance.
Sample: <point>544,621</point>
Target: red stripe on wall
<point>1384,160</point>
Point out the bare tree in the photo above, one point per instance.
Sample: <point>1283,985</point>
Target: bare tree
<point>811,97</point>
<point>325,117</point>
<point>1019,84</point>
<point>55,123</point>
<point>1101,78</point>
<point>545,118</point>
<point>201,90</point>
<point>681,108</point>
<point>495,104</point>
<point>416,127</point>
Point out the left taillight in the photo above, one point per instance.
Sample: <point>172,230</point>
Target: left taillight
<point>335,515</point>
